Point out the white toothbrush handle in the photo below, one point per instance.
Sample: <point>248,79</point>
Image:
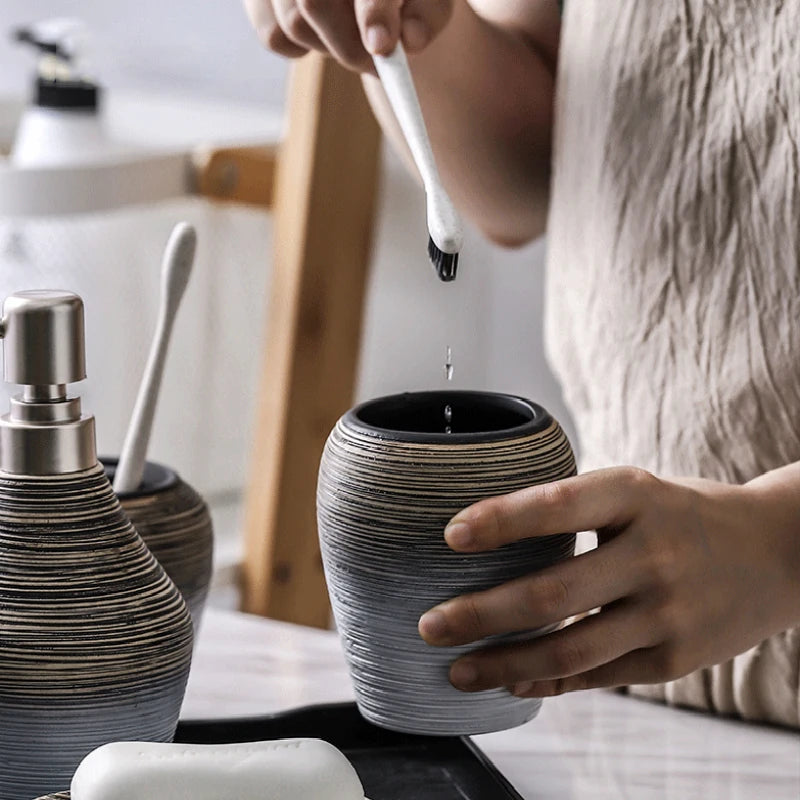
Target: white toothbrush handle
<point>175,271</point>
<point>130,467</point>
<point>444,222</point>
<point>398,84</point>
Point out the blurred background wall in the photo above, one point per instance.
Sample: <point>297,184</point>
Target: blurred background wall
<point>206,52</point>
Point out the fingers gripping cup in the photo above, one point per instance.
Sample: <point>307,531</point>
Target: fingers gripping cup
<point>390,479</point>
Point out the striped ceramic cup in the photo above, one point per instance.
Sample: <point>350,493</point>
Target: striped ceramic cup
<point>394,471</point>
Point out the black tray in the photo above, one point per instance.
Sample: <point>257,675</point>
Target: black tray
<point>392,766</point>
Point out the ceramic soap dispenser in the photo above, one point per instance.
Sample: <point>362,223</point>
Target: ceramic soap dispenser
<point>95,640</point>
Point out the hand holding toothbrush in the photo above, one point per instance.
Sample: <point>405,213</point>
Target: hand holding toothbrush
<point>361,34</point>
<point>352,31</point>
<point>485,73</point>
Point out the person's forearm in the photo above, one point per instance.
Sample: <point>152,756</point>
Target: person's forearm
<point>487,98</point>
<point>780,490</point>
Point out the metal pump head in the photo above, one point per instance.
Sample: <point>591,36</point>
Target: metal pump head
<point>43,350</point>
<point>44,338</point>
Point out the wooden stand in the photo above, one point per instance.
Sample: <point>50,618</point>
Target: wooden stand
<point>236,174</point>
<point>324,206</point>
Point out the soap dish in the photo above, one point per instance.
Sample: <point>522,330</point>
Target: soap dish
<point>391,765</point>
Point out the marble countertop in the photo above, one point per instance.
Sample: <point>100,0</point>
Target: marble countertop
<point>593,745</point>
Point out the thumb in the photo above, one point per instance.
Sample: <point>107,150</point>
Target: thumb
<point>379,24</point>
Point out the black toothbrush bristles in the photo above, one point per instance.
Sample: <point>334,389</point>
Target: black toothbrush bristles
<point>445,264</point>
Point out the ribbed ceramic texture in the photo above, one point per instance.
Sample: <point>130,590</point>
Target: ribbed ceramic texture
<point>95,640</point>
<point>176,527</point>
<point>382,506</point>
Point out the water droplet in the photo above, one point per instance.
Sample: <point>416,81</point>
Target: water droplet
<point>448,419</point>
<point>448,364</point>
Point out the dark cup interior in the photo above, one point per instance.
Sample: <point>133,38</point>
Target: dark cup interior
<point>156,478</point>
<point>475,417</point>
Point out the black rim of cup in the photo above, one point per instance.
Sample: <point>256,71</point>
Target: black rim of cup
<point>157,478</point>
<point>476,417</point>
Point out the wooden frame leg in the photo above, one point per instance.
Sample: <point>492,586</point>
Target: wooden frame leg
<point>324,199</point>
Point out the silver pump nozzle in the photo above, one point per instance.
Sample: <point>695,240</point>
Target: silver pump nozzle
<point>44,338</point>
<point>43,350</point>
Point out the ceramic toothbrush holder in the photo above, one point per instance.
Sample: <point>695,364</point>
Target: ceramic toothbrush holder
<point>174,521</point>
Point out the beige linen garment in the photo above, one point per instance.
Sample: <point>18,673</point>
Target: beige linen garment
<point>673,281</point>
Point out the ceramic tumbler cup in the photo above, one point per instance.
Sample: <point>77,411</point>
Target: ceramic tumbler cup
<point>390,479</point>
<point>174,521</point>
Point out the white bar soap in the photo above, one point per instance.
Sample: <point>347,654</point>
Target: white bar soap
<point>285,769</point>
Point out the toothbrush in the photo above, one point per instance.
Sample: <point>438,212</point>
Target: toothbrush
<point>444,224</point>
<point>176,267</point>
